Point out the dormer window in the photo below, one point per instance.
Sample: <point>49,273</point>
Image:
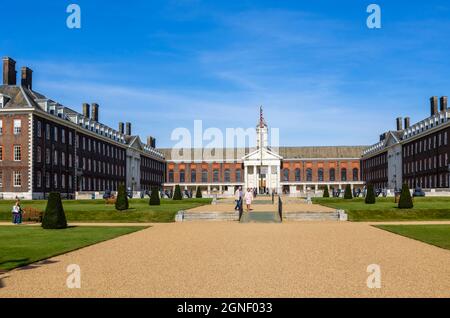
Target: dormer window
<point>4,99</point>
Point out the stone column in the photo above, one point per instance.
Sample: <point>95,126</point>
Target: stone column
<point>269,178</point>
<point>245,177</point>
<point>278,180</point>
<point>255,178</point>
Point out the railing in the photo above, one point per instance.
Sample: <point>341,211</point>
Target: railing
<point>280,208</point>
<point>241,209</point>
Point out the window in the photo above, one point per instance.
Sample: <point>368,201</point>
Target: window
<point>227,175</point>
<point>1,179</point>
<point>320,174</point>
<point>17,153</point>
<point>63,136</point>
<point>17,126</point>
<point>1,153</point>
<point>171,176</point>
<point>1,127</point>
<point>55,180</point>
<point>38,179</point>
<point>47,180</point>
<point>55,157</point>
<point>332,174</point>
<point>70,138</point>
<point>55,133</point>
<point>343,174</point>
<point>309,174</point>
<point>70,160</point>
<point>238,175</point>
<point>204,175</point>
<point>215,175</point>
<point>39,129</point>
<point>193,175</point>
<point>70,182</point>
<point>286,174</point>
<point>63,181</point>
<point>355,174</point>
<point>17,179</point>
<point>182,176</point>
<point>63,159</point>
<point>38,154</point>
<point>297,174</point>
<point>47,131</point>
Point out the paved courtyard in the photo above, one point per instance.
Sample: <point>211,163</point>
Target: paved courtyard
<point>228,259</point>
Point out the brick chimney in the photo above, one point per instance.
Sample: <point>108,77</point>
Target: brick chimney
<point>128,129</point>
<point>121,128</point>
<point>94,114</point>
<point>151,141</point>
<point>399,124</point>
<point>407,122</point>
<point>86,108</point>
<point>9,71</point>
<point>27,77</point>
<point>434,105</point>
<point>444,102</point>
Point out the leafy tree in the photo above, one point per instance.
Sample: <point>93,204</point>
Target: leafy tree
<point>326,193</point>
<point>122,199</point>
<point>154,197</point>
<point>177,194</point>
<point>405,201</point>
<point>348,192</point>
<point>54,216</point>
<point>370,195</point>
<point>198,194</point>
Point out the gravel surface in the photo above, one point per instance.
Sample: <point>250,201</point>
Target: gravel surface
<point>228,259</point>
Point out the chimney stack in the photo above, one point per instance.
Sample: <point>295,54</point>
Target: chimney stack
<point>86,108</point>
<point>9,71</point>
<point>27,77</point>
<point>399,124</point>
<point>128,129</point>
<point>444,102</point>
<point>434,105</point>
<point>151,141</point>
<point>407,122</point>
<point>121,128</point>
<point>94,114</point>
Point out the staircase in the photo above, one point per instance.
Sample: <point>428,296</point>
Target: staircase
<point>184,216</point>
<point>260,217</point>
<point>311,216</point>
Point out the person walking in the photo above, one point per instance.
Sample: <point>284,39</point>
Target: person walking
<point>17,213</point>
<point>238,198</point>
<point>248,199</point>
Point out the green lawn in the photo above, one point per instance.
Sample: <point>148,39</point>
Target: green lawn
<point>98,211</point>
<point>438,235</point>
<point>22,245</point>
<point>428,208</point>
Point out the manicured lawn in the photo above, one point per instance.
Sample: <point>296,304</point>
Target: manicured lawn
<point>428,208</point>
<point>21,245</point>
<point>438,235</point>
<point>98,211</point>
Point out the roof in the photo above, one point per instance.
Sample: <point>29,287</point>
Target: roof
<point>318,152</point>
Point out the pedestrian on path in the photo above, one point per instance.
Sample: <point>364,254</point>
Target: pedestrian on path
<point>248,199</point>
<point>238,198</point>
<point>17,213</point>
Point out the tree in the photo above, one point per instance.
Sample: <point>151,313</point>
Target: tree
<point>122,199</point>
<point>405,201</point>
<point>154,197</point>
<point>177,194</point>
<point>198,194</point>
<point>370,195</point>
<point>348,192</point>
<point>54,216</point>
<point>326,193</point>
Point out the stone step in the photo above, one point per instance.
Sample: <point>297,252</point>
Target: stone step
<point>311,216</point>
<point>206,216</point>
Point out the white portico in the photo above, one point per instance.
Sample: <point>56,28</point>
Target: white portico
<point>262,166</point>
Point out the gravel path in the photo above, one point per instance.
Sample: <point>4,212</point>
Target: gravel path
<point>228,259</point>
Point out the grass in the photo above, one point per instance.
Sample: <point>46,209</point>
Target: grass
<point>385,209</point>
<point>22,245</point>
<point>98,211</point>
<point>434,234</point>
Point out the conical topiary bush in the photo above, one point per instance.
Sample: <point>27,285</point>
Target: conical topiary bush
<point>122,199</point>
<point>348,192</point>
<point>370,195</point>
<point>326,193</point>
<point>405,201</point>
<point>198,194</point>
<point>177,194</point>
<point>154,197</point>
<point>54,216</point>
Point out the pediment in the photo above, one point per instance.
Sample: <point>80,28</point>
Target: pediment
<point>264,154</point>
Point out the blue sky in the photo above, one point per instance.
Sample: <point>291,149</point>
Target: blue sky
<point>321,75</point>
